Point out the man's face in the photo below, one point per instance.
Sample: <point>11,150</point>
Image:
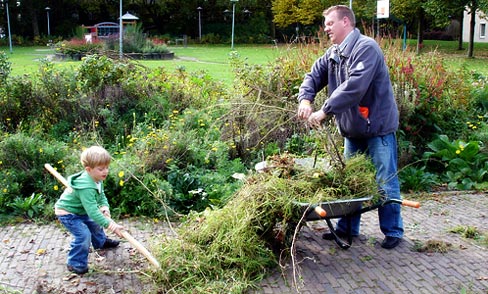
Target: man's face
<point>337,29</point>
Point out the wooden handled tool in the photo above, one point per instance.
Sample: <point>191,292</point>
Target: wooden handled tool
<point>124,233</point>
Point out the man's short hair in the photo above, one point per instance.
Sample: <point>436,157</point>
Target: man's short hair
<point>342,11</point>
<point>95,156</point>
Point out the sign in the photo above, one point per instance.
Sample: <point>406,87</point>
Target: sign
<point>383,9</point>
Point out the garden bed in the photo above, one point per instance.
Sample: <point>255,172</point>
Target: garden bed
<point>136,56</point>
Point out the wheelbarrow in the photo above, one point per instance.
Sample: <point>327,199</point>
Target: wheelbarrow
<point>346,209</point>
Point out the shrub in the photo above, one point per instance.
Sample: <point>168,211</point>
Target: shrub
<point>79,46</point>
<point>465,165</point>
<point>431,99</point>
<point>5,68</point>
<point>416,179</point>
<point>264,101</point>
<point>22,158</point>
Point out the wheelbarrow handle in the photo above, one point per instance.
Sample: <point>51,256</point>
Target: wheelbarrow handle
<point>410,203</point>
<point>320,211</point>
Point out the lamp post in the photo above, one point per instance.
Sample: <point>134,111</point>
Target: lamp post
<point>48,25</point>
<point>199,23</point>
<point>8,25</point>
<point>121,32</point>
<point>233,21</point>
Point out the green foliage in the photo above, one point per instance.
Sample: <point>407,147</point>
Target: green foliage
<point>78,46</point>
<point>431,99</point>
<point>465,165</point>
<point>134,39</point>
<point>22,159</point>
<point>30,207</point>
<point>228,249</point>
<point>416,179</point>
<point>264,104</point>
<point>5,68</point>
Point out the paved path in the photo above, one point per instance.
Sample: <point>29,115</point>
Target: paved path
<point>32,258</point>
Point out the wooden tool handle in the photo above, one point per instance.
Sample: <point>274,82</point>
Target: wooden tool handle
<point>141,248</point>
<point>58,176</point>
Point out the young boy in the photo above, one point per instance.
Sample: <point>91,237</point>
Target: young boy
<point>84,211</point>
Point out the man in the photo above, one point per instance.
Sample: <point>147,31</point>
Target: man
<point>360,96</point>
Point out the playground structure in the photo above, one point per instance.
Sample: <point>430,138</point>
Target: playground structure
<point>106,30</point>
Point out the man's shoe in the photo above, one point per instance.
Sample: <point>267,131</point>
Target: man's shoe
<point>78,271</point>
<point>390,242</point>
<point>330,236</point>
<point>109,243</point>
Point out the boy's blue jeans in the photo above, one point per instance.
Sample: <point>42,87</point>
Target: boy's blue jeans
<point>383,152</point>
<point>85,232</point>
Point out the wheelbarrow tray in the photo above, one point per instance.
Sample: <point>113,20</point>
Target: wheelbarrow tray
<point>333,209</point>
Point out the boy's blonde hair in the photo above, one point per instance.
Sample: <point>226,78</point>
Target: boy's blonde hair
<point>95,156</point>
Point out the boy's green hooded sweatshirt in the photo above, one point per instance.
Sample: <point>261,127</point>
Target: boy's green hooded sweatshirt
<point>85,199</point>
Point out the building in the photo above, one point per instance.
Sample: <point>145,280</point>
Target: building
<point>480,34</point>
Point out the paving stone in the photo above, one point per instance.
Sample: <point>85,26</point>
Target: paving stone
<point>323,267</point>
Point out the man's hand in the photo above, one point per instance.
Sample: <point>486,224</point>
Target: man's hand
<point>316,118</point>
<point>304,109</point>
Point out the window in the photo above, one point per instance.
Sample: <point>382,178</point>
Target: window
<point>482,30</point>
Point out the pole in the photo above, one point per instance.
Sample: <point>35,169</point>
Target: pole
<point>48,25</point>
<point>199,23</point>
<point>121,31</point>
<point>8,25</point>
<point>233,22</point>
<point>350,4</point>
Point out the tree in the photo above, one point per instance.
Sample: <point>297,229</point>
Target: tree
<point>412,12</point>
<point>443,9</point>
<point>288,12</point>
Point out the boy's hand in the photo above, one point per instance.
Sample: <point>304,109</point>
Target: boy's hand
<point>116,228</point>
<point>105,211</point>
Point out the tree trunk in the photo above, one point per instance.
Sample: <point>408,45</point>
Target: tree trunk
<point>472,23</point>
<point>420,31</point>
<point>461,26</point>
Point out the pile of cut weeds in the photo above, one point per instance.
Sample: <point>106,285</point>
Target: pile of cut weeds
<point>230,249</point>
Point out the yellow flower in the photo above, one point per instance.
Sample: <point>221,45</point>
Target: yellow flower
<point>4,190</point>
<point>121,183</point>
<point>215,149</point>
<point>121,174</point>
<point>458,151</point>
<point>41,150</point>
<point>41,251</point>
<point>56,188</point>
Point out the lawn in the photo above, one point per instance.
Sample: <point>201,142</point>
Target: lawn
<point>214,59</point>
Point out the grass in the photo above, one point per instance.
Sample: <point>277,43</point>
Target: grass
<point>214,59</point>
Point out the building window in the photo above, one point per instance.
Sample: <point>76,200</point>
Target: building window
<point>483,30</point>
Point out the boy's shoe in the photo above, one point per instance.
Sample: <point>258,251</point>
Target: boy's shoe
<point>109,243</point>
<point>78,271</point>
<point>390,242</point>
